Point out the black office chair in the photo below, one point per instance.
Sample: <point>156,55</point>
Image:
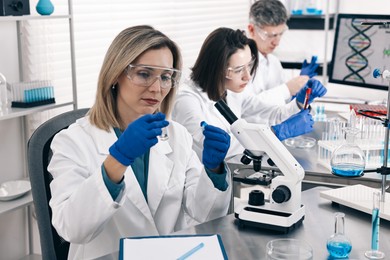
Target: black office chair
<point>38,156</point>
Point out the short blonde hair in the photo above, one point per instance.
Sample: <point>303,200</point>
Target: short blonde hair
<point>125,48</point>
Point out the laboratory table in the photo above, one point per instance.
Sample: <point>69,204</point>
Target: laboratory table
<point>317,227</point>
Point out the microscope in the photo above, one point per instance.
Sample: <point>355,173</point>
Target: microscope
<point>283,210</point>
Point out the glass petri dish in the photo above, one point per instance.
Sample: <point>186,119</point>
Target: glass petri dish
<point>288,248</point>
<point>301,142</point>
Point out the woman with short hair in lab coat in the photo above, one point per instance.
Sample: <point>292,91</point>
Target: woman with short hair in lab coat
<point>225,65</point>
<point>114,176</point>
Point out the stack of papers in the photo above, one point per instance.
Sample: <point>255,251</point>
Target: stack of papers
<point>173,247</point>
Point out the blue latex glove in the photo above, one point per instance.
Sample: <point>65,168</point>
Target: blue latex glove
<point>309,69</point>
<point>295,125</point>
<point>215,146</point>
<point>138,137</point>
<point>317,90</point>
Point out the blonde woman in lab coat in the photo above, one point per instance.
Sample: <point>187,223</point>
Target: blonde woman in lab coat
<point>114,176</point>
<point>224,67</point>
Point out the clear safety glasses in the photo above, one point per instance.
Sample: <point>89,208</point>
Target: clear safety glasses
<point>145,76</point>
<point>240,70</point>
<point>269,36</point>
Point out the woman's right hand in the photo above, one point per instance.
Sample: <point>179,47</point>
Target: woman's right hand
<point>138,137</point>
<point>295,125</point>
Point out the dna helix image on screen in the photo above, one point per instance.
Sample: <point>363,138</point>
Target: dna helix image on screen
<point>359,48</point>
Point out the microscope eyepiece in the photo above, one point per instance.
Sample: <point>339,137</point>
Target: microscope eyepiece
<point>226,111</point>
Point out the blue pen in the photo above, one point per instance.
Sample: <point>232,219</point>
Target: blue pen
<point>191,252</point>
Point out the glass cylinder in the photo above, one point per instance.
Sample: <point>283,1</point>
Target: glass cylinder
<point>3,92</point>
<point>338,244</point>
<point>348,159</point>
<point>374,253</point>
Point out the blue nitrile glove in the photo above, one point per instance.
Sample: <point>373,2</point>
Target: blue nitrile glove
<point>138,137</point>
<point>317,90</point>
<point>309,69</point>
<point>295,125</point>
<point>215,146</point>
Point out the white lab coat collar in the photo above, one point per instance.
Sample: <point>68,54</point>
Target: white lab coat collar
<point>160,171</point>
<point>262,59</point>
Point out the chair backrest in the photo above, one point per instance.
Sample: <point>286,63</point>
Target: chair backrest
<point>38,157</point>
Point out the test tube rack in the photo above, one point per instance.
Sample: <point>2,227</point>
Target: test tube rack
<point>31,94</point>
<point>373,150</point>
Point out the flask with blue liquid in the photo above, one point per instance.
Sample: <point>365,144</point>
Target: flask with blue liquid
<point>348,160</point>
<point>339,246</point>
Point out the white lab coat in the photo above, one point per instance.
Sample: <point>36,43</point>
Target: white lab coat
<point>270,80</point>
<point>179,191</point>
<point>193,106</point>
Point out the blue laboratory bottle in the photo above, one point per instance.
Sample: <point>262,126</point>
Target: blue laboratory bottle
<point>297,7</point>
<point>348,160</point>
<point>339,246</point>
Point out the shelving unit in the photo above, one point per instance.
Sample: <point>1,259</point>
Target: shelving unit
<point>7,206</point>
<point>24,203</point>
<point>310,22</point>
<point>325,22</point>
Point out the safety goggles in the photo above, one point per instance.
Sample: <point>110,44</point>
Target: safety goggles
<point>240,70</point>
<point>269,36</point>
<point>145,76</point>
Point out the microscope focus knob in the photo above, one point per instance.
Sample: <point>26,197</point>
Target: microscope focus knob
<point>281,194</point>
<point>256,198</point>
<point>246,160</point>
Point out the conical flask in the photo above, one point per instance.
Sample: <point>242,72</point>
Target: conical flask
<point>348,159</point>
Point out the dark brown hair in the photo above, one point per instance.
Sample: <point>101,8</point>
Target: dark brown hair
<point>210,67</point>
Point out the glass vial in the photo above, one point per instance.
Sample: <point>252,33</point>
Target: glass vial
<point>348,160</point>
<point>338,245</point>
<point>164,134</point>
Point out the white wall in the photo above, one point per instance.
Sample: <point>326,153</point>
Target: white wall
<point>12,228</point>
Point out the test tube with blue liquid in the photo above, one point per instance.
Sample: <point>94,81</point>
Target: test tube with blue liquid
<point>374,253</point>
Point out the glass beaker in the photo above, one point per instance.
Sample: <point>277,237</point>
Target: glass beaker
<point>338,244</point>
<point>348,159</point>
<point>374,253</point>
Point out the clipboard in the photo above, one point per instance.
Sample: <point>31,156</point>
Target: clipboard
<point>172,247</point>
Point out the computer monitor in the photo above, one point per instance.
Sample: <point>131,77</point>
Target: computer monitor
<point>359,49</point>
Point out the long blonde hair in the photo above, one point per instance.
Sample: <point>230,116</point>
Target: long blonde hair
<point>125,48</point>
